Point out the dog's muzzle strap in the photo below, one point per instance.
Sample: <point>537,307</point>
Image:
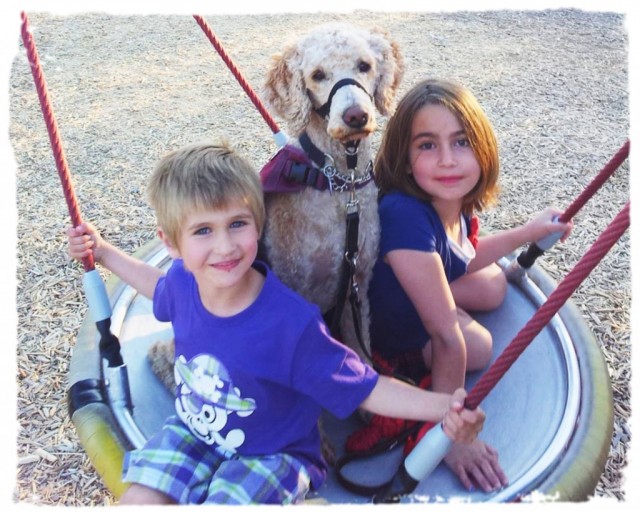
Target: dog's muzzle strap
<point>324,109</point>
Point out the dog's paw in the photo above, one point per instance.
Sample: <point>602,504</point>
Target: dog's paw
<point>161,356</point>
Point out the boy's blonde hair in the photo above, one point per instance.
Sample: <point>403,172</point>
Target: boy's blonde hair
<point>202,177</point>
<point>392,159</point>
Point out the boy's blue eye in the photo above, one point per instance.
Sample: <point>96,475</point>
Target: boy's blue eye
<point>238,224</point>
<point>202,231</point>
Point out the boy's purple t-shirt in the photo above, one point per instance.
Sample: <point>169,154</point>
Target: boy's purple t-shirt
<point>405,223</point>
<point>255,383</point>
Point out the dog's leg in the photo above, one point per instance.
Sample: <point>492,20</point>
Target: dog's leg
<point>348,329</point>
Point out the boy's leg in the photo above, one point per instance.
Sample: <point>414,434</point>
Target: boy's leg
<point>139,494</point>
<point>172,463</point>
<point>274,479</point>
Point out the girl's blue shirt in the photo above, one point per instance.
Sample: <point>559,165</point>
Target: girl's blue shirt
<point>406,222</point>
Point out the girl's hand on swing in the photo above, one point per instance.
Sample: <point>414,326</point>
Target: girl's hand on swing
<point>84,240</point>
<point>544,223</point>
<point>477,466</point>
<point>460,424</point>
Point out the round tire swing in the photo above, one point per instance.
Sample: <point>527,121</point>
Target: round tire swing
<point>549,413</point>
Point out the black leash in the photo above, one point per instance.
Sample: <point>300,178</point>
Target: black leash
<point>348,284</point>
<point>381,447</point>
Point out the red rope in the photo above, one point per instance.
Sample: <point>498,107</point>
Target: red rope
<point>236,73</point>
<point>550,307</point>
<point>596,183</point>
<point>52,129</point>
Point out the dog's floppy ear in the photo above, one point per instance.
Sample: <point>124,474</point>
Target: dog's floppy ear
<point>285,92</point>
<point>390,69</point>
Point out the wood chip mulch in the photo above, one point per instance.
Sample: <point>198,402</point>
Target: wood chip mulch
<point>126,89</point>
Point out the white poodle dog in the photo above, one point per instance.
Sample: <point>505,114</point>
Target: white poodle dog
<point>326,86</point>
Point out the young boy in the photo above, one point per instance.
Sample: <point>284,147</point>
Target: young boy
<point>255,363</point>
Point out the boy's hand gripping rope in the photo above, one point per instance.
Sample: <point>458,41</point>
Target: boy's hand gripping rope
<point>435,445</point>
<point>95,291</point>
<point>52,129</point>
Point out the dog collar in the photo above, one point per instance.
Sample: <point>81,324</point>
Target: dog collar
<point>337,181</point>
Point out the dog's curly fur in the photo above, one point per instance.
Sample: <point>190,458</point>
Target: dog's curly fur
<point>305,232</point>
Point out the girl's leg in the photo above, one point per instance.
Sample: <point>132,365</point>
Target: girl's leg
<point>477,339</point>
<point>482,290</point>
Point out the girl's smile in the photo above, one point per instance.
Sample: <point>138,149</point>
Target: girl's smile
<point>449,180</point>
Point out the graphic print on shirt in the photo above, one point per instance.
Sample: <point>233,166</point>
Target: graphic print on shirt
<point>205,397</point>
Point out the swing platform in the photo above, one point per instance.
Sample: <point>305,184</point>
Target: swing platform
<point>550,417</point>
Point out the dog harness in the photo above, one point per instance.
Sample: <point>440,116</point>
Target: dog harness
<point>292,169</point>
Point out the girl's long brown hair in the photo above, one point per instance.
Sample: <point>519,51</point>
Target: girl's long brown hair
<point>392,166</point>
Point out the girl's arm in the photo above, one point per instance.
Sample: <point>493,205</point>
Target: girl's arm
<point>493,247</point>
<point>84,240</point>
<point>421,275</point>
<point>393,398</point>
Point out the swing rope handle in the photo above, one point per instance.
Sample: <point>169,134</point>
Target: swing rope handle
<point>52,128</point>
<point>528,257</point>
<point>237,74</point>
<point>551,306</point>
<point>94,287</point>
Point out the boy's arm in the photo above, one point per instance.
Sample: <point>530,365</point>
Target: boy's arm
<point>494,246</point>
<point>85,240</point>
<point>136,273</point>
<point>393,398</point>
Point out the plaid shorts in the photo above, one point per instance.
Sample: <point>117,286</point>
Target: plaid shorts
<point>189,471</point>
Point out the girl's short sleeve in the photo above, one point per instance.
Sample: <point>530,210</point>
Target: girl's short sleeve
<point>406,223</point>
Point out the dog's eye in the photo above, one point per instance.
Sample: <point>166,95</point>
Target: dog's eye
<point>364,67</point>
<point>318,75</point>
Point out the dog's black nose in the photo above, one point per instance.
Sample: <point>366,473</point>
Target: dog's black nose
<point>355,117</point>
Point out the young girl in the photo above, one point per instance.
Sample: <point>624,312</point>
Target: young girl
<point>437,166</point>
